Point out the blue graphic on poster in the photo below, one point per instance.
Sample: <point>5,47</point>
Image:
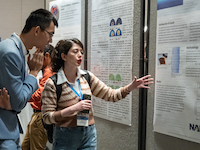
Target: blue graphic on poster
<point>112,22</point>
<point>55,11</point>
<point>175,60</point>
<point>119,21</point>
<point>112,33</point>
<point>162,4</point>
<point>118,32</point>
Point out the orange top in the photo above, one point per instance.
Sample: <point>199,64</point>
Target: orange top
<point>35,98</point>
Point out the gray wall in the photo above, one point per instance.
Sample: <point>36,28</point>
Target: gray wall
<point>157,141</point>
<point>13,14</point>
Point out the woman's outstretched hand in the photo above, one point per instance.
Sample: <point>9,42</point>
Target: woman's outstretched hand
<point>5,99</point>
<point>140,83</point>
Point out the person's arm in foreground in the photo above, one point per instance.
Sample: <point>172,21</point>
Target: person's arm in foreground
<point>140,83</point>
<point>49,104</point>
<point>37,94</point>
<point>101,90</point>
<point>108,94</point>
<point>86,104</point>
<point>5,99</point>
<point>20,91</point>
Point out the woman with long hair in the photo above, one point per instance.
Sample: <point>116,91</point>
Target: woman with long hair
<point>75,128</point>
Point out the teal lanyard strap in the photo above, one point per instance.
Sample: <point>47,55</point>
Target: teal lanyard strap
<point>81,94</point>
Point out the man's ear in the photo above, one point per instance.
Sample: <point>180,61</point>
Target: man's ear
<point>37,30</point>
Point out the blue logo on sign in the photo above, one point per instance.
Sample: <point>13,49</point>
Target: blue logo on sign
<point>195,127</point>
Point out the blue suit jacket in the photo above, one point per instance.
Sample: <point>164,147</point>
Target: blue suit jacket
<point>20,88</point>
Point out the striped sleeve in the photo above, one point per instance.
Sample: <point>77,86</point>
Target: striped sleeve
<point>49,102</point>
<point>101,90</point>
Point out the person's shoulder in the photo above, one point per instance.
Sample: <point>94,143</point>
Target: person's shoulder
<point>8,49</point>
<point>49,86</point>
<point>47,73</point>
<point>49,82</point>
<point>8,46</point>
<point>82,71</point>
<point>90,73</point>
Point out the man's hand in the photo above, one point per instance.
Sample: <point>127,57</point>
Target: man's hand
<point>36,63</point>
<point>5,100</point>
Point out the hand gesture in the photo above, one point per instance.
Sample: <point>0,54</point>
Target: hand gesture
<point>141,83</point>
<point>36,63</point>
<point>83,105</point>
<point>80,106</point>
<point>5,100</point>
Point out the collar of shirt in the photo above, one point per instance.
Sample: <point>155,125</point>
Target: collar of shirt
<point>62,78</point>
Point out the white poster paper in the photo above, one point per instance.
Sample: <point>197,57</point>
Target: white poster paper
<point>177,82</point>
<point>68,15</point>
<point>111,54</point>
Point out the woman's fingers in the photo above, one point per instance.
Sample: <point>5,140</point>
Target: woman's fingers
<point>86,104</point>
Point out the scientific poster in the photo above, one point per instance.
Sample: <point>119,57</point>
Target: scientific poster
<point>111,54</point>
<point>177,81</point>
<point>68,15</point>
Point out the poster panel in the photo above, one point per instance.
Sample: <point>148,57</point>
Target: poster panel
<point>177,81</point>
<point>68,15</point>
<point>111,54</point>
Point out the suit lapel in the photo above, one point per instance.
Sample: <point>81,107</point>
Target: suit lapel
<point>18,44</point>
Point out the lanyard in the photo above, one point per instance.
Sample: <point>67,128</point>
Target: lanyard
<point>80,96</point>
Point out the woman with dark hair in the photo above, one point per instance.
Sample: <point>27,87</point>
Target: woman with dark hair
<point>75,130</point>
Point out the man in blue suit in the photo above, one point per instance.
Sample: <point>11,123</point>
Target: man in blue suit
<point>38,31</point>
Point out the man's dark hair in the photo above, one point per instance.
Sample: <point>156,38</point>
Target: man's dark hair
<point>39,17</point>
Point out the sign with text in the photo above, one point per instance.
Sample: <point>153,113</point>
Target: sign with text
<point>177,84</point>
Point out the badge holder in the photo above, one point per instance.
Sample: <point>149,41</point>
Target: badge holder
<point>82,119</point>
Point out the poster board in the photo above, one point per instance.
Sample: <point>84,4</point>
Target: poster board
<point>68,15</point>
<point>177,98</point>
<point>111,54</point>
